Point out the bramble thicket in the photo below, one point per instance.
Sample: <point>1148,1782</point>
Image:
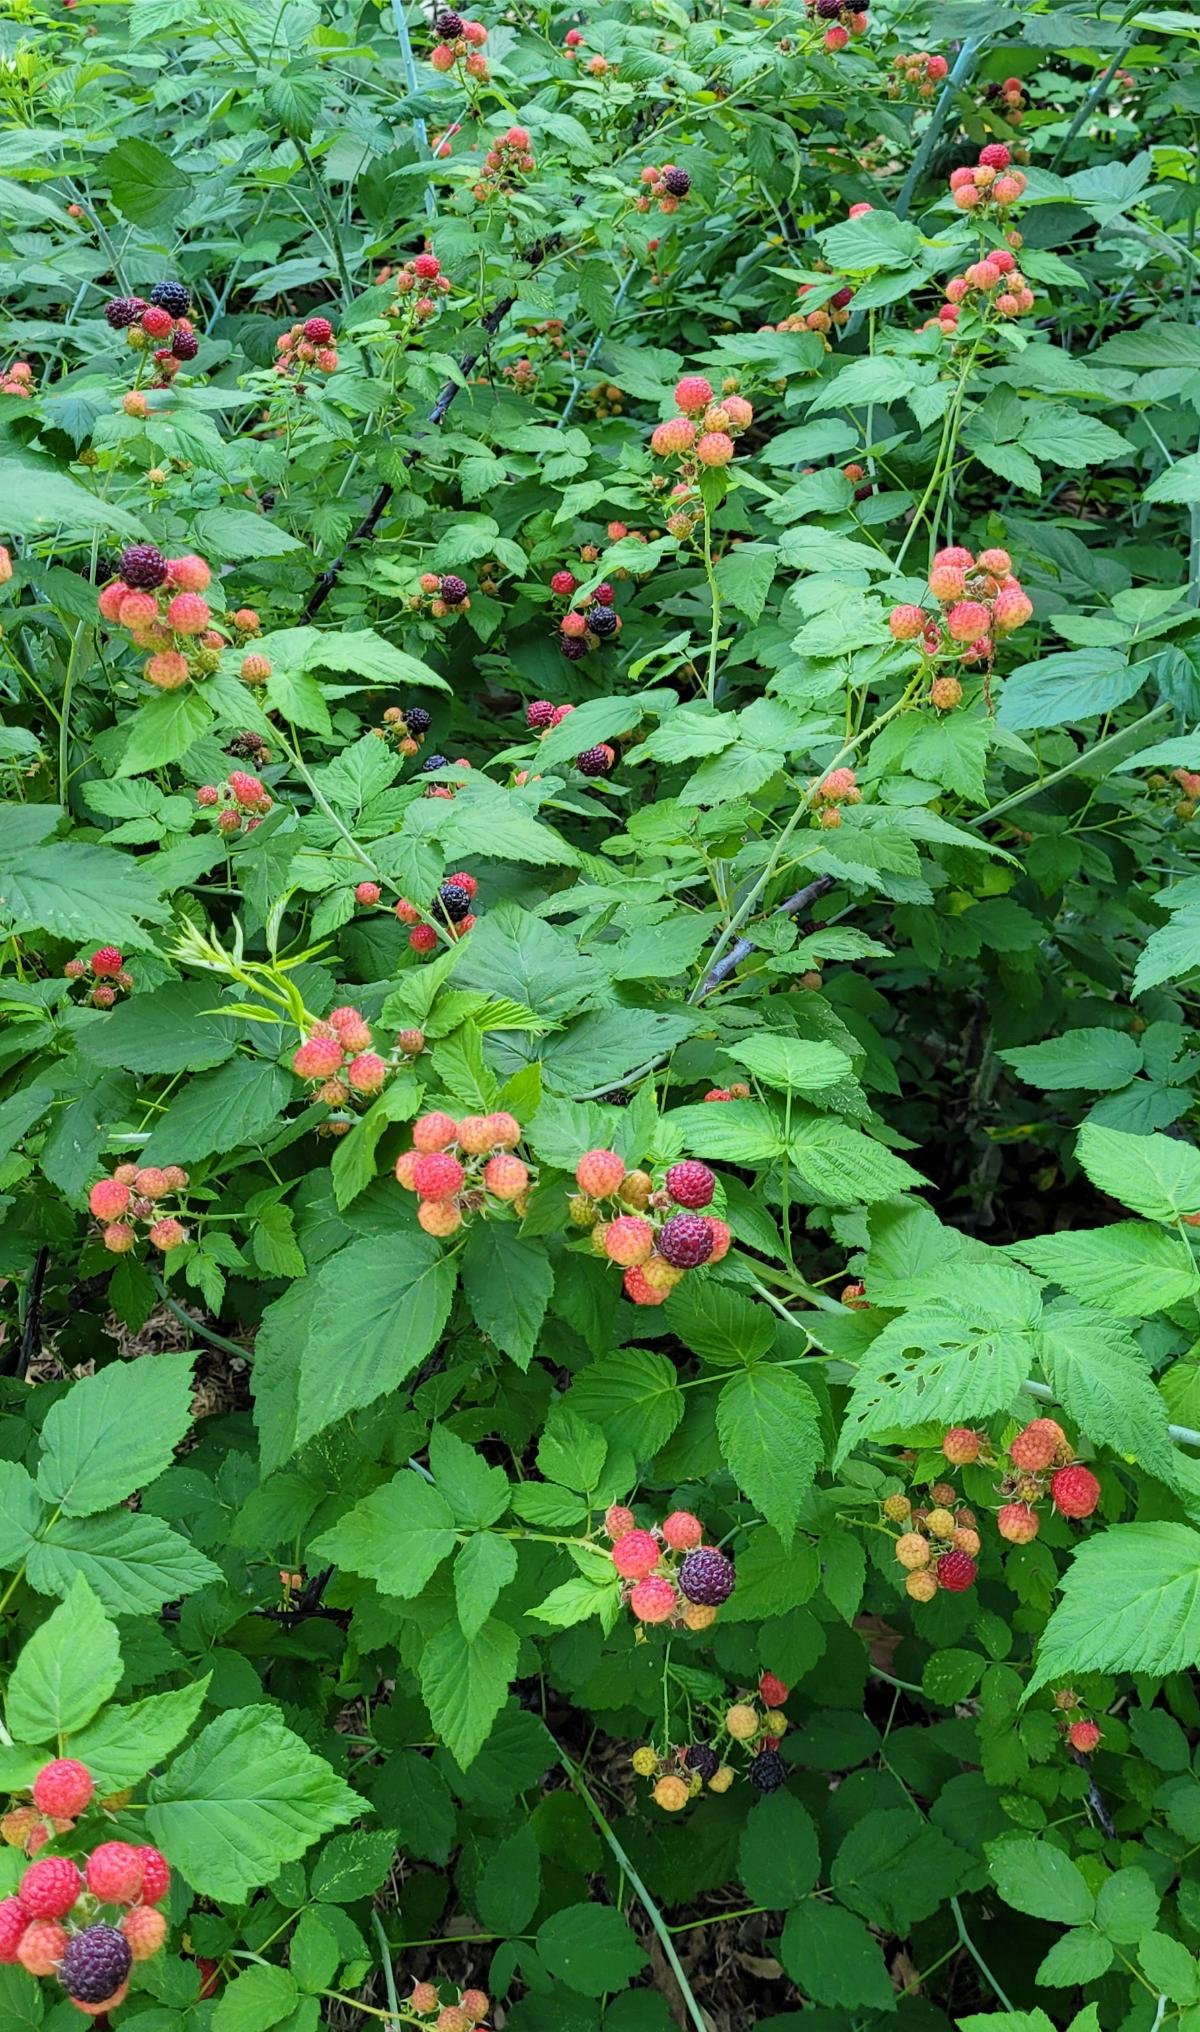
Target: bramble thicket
<point>600,1356</point>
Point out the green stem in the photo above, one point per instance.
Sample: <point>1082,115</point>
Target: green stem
<point>975,1955</point>
<point>331,226</point>
<point>1086,755</point>
<point>197,1326</point>
<point>389,1974</point>
<point>715,597</point>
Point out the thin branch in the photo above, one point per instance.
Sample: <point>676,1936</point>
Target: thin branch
<point>790,907</point>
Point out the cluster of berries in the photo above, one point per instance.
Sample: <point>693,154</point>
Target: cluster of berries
<point>404,728</point>
<point>1189,785</point>
<point>981,601</point>
<point>506,158</point>
<point>707,441</point>
<point>485,1177</point>
<point>1041,1461</point>
<point>834,311</point>
<point>666,186</point>
<point>418,284</point>
<point>336,1057</point>
<point>991,183</point>
<point>654,1244</point>
<point>669,1574</point>
<point>163,318</point>
<point>682,1773</point>
<point>55,1924</point>
<point>460,43</point>
<point>451,907</point>
<point>993,284</point>
<point>1007,96</point>
<point>938,1546</point>
<point>18,380</point>
<point>240,803</point>
<point>844,20</point>
<point>737,1092</point>
<point>465,2016</point>
<point>158,599</point>
<point>134,1193</point>
<point>446,593</point>
<point>581,628</point>
<point>307,347</point>
<point>433,762</point>
<point>836,788</point>
<point>109,974</point>
<point>917,71</point>
<point>522,373</point>
<point>1082,1734</point>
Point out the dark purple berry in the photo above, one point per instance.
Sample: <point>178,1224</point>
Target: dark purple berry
<point>185,345</point>
<point>706,1575</point>
<point>678,182</point>
<point>452,590</point>
<point>124,310</point>
<point>417,720</point>
<point>768,1771</point>
<point>573,647</point>
<point>95,1964</point>
<point>685,1241</point>
<point>828,10</point>
<point>601,621</point>
<point>539,713</point>
<point>595,761</point>
<point>617,1097</point>
<point>172,297</point>
<point>702,1758</point>
<point>449,26</point>
<point>436,762</point>
<point>144,566</point>
<point>455,901</point>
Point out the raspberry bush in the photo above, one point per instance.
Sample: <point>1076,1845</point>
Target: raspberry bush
<point>600,679</point>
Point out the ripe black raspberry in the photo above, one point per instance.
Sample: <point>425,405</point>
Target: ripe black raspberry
<point>95,1964</point>
<point>573,647</point>
<point>828,10</point>
<point>124,310</point>
<point>455,901</point>
<point>594,761</point>
<point>452,590</point>
<point>185,345</point>
<point>617,1097</point>
<point>678,182</point>
<point>702,1758</point>
<point>601,620</point>
<point>172,297</point>
<point>686,1241</point>
<point>417,720</point>
<point>435,762</point>
<point>768,1771</point>
<point>706,1576</point>
<point>449,26</point>
<point>143,565</point>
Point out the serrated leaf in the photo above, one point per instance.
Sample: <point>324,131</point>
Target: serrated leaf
<point>465,1682</point>
<point>115,1432</point>
<point>1129,1602</point>
<point>1155,1175</point>
<point>123,1743</point>
<point>65,1672</point>
<point>769,1429</point>
<point>1037,1878</point>
<point>397,1536</point>
<point>484,1566</point>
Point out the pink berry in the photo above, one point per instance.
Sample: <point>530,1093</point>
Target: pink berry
<point>772,1690</point>
<point>167,1234</point>
<point>690,1183</point>
<point>42,1946</point>
<point>619,1520</point>
<point>906,622</point>
<point>434,1132</point>
<point>673,438</point>
<point>682,1531</point>
<point>635,1554</point>
<point>318,1058</point>
<point>628,1239</point>
<point>13,1921</point>
<point>436,1175</point>
<point>504,1129</point>
<point>715,448</point>
<point>1074,1491</point>
<point>145,1929</point>
<point>49,1888</point>
<point>108,1201</point>
<point>967,620</point>
<point>1083,1736</point>
<point>114,1873</point>
<point>653,1600</point>
<point>367,1073</point>
<point>505,1176</point>
<point>156,1876</point>
<point>63,1788</point>
<point>367,892</point>
<point>693,394</point>
<point>599,1173</point>
<point>188,574</point>
<point>1018,1523</point>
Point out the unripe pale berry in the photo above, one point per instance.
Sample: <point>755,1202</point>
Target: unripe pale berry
<point>639,1290</point>
<point>629,1239</point>
<point>742,1722</point>
<point>619,1520</point>
<point>945,693</point>
<point>715,448</point>
<point>367,1073</point>
<point>922,1586</point>
<point>967,620</point>
<point>367,892</point>
<point>167,670</point>
<point>167,1234</point>
<point>653,1600</point>
<point>434,1132</point>
<point>599,1173</point>
<point>504,1129</point>
<point>317,1058</point>
<point>505,1176</point>
<point>439,1217</point>
<point>635,1554</point>
<point>906,622</point>
<point>672,1793</point>
<point>145,1928</point>
<point>42,1946</point>
<point>913,1551</point>
<point>961,1445</point>
<point>682,1531</point>
<point>1039,1444</point>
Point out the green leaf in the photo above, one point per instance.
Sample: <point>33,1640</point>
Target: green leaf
<point>247,1796</point>
<point>840,1166</point>
<point>1100,1058</point>
<point>895,1869</point>
<point>145,185</point>
<point>1079,1957</point>
<point>633,1394</point>
<point>1170,1967</point>
<point>22,2001</point>
<point>1179,482</point>
<point>65,1672</point>
<point>477,1494</point>
<point>352,1865</point>
<point>1127,1904</point>
<point>1068,437</point>
<point>791,1062</point>
<point>133,1560</point>
<point>1129,1602</point>
<point>769,1428</point>
<point>779,1857</point>
<point>115,1432</point>
<point>79,892</point>
<point>833,1959</point>
<point>179,1027</point>
<point>123,1743</point>
<point>1169,952</point>
<point>21,1514</point>
<point>224,1110</point>
<point>1075,684</point>
<point>1128,1268</point>
<point>484,1566</point>
<point>465,1682</point>
<point>1155,1175</point>
<point>590,1948</point>
<point>718,1324</point>
<point>1099,1375</point>
<point>1035,1877</point>
<point>744,577</point>
<point>398,1535</point>
<point>237,533</point>
<point>38,499</point>
<point>255,2000</point>
<point>366,654</point>
<point>163,728</point>
<point>507,1283</point>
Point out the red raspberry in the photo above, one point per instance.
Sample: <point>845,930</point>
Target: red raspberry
<point>653,1600</point>
<point>434,1132</point>
<point>718,1094</point>
<point>64,1788</point>
<point>619,1520</point>
<point>1038,1444</point>
<point>686,1241</point>
<point>190,574</point>
<point>42,1946</point>
<point>437,1175</point>
<point>563,583</point>
<point>967,620</point>
<point>599,1173</point>
<point>114,1873</point>
<point>691,1184</point>
<point>628,1240</point>
<point>682,1531</point>
<point>423,938</point>
<point>318,331</point>
<point>635,1554</point>
<point>427,266</point>
<point>693,394</point>
<point>1083,1736</point>
<point>961,1446</point>
<point>318,1058</point>
<point>995,156</point>
<point>1074,1492</point>
<point>156,1876</point>
<point>367,1073</point>
<point>956,1572</point>
<point>49,1888</point>
<point>1018,1523</point>
<point>13,1921</point>
<point>157,322</point>
<point>772,1690</point>
<point>715,448</point>
<point>505,1176</point>
<point>1011,609</point>
<point>639,1290</point>
<point>106,960</point>
<point>107,1200</point>
<point>145,1929</point>
<point>674,437</point>
<point>367,892</point>
<point>574,627</point>
<point>722,1238</point>
<point>247,790</point>
<point>906,622</point>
